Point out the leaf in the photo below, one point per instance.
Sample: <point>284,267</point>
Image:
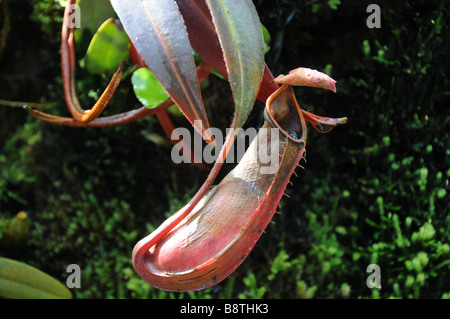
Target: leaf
<point>150,92</point>
<point>204,40</point>
<point>202,33</point>
<point>93,14</point>
<point>22,281</point>
<point>240,36</point>
<point>108,47</point>
<point>147,88</point>
<point>267,38</point>
<point>157,30</point>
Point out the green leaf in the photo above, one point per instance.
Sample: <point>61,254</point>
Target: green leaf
<point>267,38</point>
<point>240,35</point>
<point>334,4</point>
<point>108,47</point>
<point>93,14</point>
<point>147,88</point>
<point>159,34</point>
<point>22,281</point>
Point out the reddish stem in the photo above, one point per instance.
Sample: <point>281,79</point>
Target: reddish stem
<point>68,66</point>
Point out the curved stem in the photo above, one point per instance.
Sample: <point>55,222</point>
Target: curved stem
<point>68,65</point>
<point>21,104</point>
<point>203,70</point>
<point>117,119</point>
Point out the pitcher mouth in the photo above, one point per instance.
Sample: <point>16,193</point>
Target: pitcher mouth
<point>283,112</point>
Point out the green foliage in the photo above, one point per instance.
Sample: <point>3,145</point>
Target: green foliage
<point>147,88</point>
<point>17,176</point>
<point>332,4</point>
<point>93,15</point>
<point>21,281</point>
<point>109,45</point>
<point>48,14</point>
<point>267,38</point>
<point>14,232</point>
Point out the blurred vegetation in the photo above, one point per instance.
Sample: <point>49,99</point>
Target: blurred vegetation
<point>374,191</point>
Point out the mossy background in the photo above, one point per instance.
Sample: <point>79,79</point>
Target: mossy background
<point>374,191</point>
